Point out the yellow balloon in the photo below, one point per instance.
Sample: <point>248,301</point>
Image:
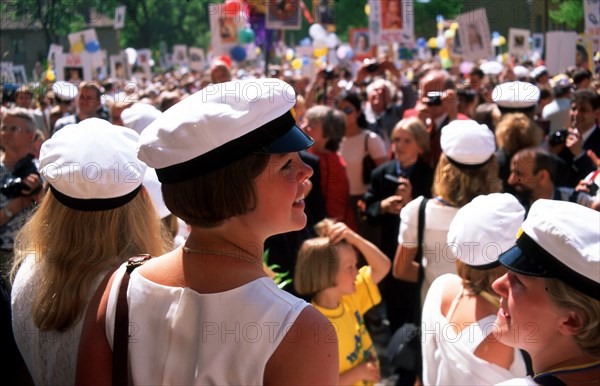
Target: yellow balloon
<point>367,9</point>
<point>318,63</point>
<point>432,43</point>
<point>454,26</point>
<point>444,54</point>
<point>502,40</point>
<point>297,64</point>
<point>50,75</point>
<point>258,51</point>
<point>289,55</point>
<point>77,47</point>
<point>440,26</point>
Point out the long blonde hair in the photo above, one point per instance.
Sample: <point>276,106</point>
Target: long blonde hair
<point>74,247</point>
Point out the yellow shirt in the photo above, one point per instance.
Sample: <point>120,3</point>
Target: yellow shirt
<point>354,341</point>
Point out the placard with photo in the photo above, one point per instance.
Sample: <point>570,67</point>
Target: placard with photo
<point>6,72</point>
<point>538,43</point>
<point>119,66</point>
<point>73,68</point>
<point>52,51</point>
<point>361,44</point>
<point>144,62</point>
<point>197,59</point>
<point>474,35</point>
<point>180,56</point>
<point>223,30</point>
<point>19,74</point>
<point>560,51</point>
<point>518,42</point>
<point>86,41</point>
<point>283,14</point>
<point>391,21</point>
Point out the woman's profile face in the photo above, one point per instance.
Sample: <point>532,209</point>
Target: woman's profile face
<point>528,318</point>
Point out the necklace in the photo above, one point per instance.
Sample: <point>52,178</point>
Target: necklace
<point>223,253</point>
<point>444,202</point>
<point>566,370</point>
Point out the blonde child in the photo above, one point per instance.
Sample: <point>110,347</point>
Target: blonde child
<point>326,270</point>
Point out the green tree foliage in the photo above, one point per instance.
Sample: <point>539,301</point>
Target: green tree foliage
<point>569,12</point>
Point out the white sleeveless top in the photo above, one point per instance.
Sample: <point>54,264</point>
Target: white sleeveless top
<point>449,357</point>
<point>182,337</point>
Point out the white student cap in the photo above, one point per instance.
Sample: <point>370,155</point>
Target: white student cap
<point>92,165</point>
<point>139,116</point>
<point>521,72</point>
<point>539,70</point>
<point>559,239</point>
<point>65,91</point>
<point>467,144</point>
<point>516,96</point>
<point>484,228</point>
<point>221,124</point>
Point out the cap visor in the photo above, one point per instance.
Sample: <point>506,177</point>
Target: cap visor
<point>516,260</point>
<point>292,141</point>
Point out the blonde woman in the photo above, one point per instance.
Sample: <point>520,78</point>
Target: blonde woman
<point>550,297</point>
<point>94,217</point>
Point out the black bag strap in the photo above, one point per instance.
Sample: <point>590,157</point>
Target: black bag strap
<point>367,142</point>
<point>120,370</point>
<point>421,228</point>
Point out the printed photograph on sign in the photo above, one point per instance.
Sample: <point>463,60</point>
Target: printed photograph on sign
<point>518,42</point>
<point>283,14</point>
<point>52,51</point>
<point>361,45</point>
<point>119,67</point>
<point>144,62</point>
<point>73,68</point>
<point>180,57</point>
<point>584,52</point>
<point>197,60</point>
<point>391,14</point>
<point>20,75</point>
<point>6,72</point>
<point>538,42</point>
<point>474,35</point>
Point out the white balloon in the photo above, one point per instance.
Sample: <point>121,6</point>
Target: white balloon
<point>317,31</point>
<point>441,42</point>
<point>332,40</point>
<point>131,55</point>
<point>320,43</point>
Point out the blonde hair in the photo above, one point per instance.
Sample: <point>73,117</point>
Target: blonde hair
<point>586,307</point>
<point>478,280</point>
<point>416,127</point>
<point>74,247</point>
<point>515,132</point>
<point>459,186</point>
<point>317,263</point>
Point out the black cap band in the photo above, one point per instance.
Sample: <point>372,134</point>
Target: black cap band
<point>94,204</point>
<point>550,266</point>
<point>468,166</point>
<point>255,141</point>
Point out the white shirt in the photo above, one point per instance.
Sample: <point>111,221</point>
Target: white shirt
<point>352,150</point>
<point>182,337</point>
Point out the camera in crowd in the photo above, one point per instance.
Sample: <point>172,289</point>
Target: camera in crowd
<point>14,186</point>
<point>559,137</point>
<point>434,98</point>
<point>372,68</point>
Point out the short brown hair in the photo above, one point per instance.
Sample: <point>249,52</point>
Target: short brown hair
<point>316,266</point>
<point>516,131</point>
<point>93,86</point>
<point>208,200</point>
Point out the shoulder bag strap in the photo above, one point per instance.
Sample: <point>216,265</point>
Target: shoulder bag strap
<point>120,371</point>
<point>421,231</point>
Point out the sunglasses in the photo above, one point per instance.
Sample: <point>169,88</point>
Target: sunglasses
<point>348,110</point>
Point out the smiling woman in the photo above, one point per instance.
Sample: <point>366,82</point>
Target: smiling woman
<point>232,171</point>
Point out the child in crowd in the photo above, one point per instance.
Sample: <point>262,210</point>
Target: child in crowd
<point>327,271</point>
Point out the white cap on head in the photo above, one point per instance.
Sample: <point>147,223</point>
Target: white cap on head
<point>65,91</point>
<point>139,116</point>
<point>92,165</point>
<point>539,70</point>
<point>521,72</point>
<point>467,144</point>
<point>516,95</point>
<point>221,124</point>
<point>559,239</point>
<point>484,228</point>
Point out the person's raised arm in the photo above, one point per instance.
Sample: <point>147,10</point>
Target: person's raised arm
<point>376,259</point>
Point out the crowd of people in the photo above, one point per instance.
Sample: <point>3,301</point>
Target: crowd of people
<point>388,200</point>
